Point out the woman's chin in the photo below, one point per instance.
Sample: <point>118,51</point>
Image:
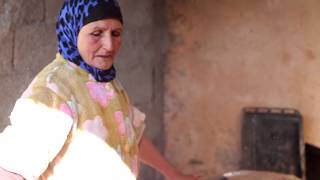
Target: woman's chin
<point>104,66</point>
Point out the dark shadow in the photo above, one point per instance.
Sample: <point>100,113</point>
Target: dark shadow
<point>312,162</point>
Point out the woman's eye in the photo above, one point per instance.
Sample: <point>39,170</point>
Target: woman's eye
<point>96,34</point>
<point>116,33</point>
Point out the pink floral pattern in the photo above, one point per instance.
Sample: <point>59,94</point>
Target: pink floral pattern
<point>53,87</point>
<point>118,116</point>
<point>100,93</point>
<point>27,92</point>
<point>100,109</point>
<point>66,109</point>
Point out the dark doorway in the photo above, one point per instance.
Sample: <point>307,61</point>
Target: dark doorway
<point>312,162</point>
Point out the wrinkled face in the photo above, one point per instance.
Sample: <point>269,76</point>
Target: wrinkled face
<point>99,42</point>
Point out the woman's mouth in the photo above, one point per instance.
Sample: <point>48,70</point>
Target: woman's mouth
<point>104,56</point>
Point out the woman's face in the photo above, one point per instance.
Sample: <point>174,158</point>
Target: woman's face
<point>99,42</point>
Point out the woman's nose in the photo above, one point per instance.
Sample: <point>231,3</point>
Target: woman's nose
<point>107,42</point>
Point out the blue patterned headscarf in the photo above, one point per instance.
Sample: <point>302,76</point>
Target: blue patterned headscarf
<point>73,16</point>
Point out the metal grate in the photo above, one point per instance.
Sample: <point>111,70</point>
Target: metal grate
<point>272,140</point>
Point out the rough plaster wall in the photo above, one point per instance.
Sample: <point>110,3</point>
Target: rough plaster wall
<point>28,43</point>
<point>226,55</point>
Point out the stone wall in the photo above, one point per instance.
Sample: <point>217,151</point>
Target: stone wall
<point>226,55</point>
<point>28,43</point>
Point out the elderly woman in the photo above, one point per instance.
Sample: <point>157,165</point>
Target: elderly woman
<point>75,121</point>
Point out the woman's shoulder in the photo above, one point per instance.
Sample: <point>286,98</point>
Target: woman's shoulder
<point>61,69</point>
<point>58,77</point>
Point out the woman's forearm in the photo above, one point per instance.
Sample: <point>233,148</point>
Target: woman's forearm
<point>151,156</point>
<point>6,175</point>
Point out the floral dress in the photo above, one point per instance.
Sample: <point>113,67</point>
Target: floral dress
<point>66,125</point>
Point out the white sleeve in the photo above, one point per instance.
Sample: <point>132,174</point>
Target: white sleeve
<point>34,138</point>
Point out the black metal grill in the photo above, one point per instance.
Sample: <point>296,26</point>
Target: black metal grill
<point>272,140</point>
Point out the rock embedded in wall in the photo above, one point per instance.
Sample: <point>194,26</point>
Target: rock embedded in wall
<point>22,32</point>
<point>6,53</point>
<point>35,47</point>
<point>12,87</point>
<point>31,11</point>
<point>5,18</point>
<point>52,9</point>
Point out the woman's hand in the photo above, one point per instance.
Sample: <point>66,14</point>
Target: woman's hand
<point>151,156</point>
